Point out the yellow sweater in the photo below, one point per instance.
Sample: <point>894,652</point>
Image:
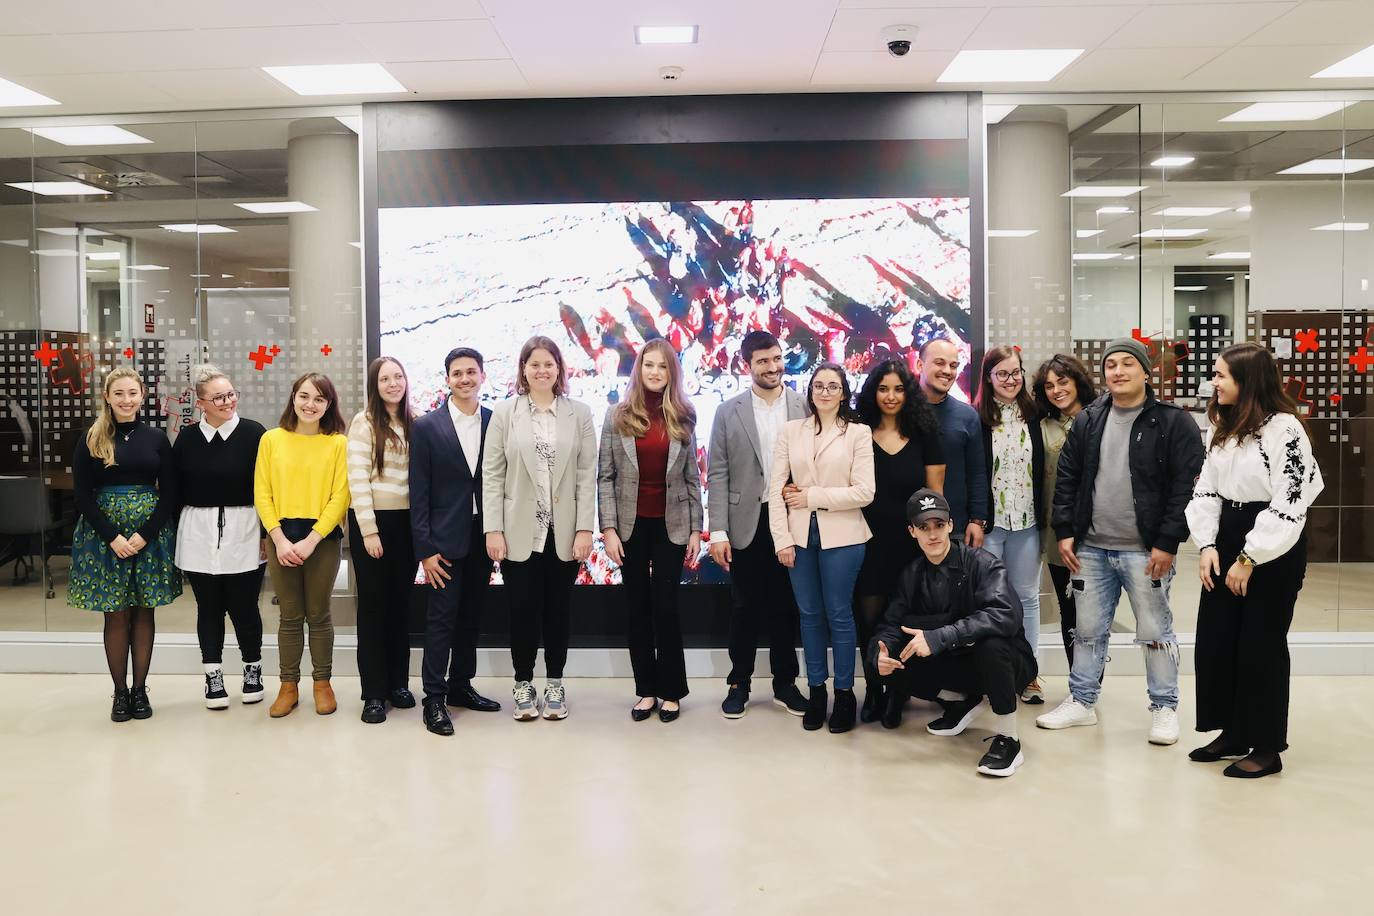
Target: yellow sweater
<point>301,477</point>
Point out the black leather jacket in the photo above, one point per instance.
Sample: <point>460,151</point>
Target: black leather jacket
<point>966,598</point>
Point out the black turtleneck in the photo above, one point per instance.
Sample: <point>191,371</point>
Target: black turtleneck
<point>143,456</point>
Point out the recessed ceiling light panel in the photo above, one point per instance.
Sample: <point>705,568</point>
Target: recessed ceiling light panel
<point>1190,289</point>
<point>58,188</point>
<point>1010,233</point>
<point>1229,256</point>
<point>1087,233</point>
<point>1104,190</point>
<point>1012,66</point>
<point>1095,255</point>
<point>1286,111</point>
<point>198,228</point>
<point>1169,162</point>
<point>1169,233</point>
<point>1190,211</point>
<point>13,95</point>
<point>1359,65</point>
<point>1328,167</point>
<point>92,135</point>
<point>277,206</point>
<point>665,34</point>
<point>1341,227</point>
<point>336,79</point>
<point>1114,210</point>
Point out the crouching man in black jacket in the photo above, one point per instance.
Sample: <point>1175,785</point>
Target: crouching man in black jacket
<point>953,633</point>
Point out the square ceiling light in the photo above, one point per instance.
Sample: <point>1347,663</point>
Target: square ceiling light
<point>1336,166</point>
<point>336,79</point>
<point>92,135</point>
<point>13,95</point>
<point>1190,211</point>
<point>58,188</point>
<point>665,34</point>
<point>1114,210</point>
<point>1169,233</point>
<point>1286,111</point>
<point>1357,66</point>
<point>1104,190</point>
<point>198,228</point>
<point>1341,227</point>
<point>72,231</point>
<point>1013,66</point>
<point>1087,233</point>
<point>1169,162</point>
<point>1010,233</point>
<point>1229,256</point>
<point>277,206</point>
<point>103,255</point>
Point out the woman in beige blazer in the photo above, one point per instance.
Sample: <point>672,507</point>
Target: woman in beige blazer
<point>539,511</point>
<point>822,478</point>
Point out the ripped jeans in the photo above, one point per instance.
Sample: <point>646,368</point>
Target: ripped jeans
<point>1097,589</point>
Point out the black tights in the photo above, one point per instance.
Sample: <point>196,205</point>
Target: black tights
<point>868,613</point>
<point>129,632</point>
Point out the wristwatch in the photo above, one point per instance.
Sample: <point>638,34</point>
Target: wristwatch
<point>1244,559</point>
<point>981,523</point>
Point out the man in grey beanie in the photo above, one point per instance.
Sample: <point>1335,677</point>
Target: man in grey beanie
<point>1125,477</point>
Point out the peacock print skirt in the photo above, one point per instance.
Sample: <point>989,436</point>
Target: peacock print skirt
<point>100,580</point>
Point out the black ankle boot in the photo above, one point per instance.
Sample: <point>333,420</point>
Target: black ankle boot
<point>842,716</point>
<point>872,710</point>
<point>138,698</point>
<point>893,703</point>
<point>119,710</point>
<point>815,709</point>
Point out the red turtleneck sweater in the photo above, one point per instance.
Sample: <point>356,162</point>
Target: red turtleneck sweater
<point>651,450</point>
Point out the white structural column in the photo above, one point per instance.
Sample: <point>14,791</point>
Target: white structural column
<point>1029,276</point>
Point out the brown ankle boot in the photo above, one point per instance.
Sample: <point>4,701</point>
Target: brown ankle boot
<point>324,698</point>
<point>287,699</point>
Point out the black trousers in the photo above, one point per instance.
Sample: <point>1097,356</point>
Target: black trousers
<point>652,572</point>
<point>1068,607</point>
<point>384,587</point>
<point>237,596</point>
<point>540,592</point>
<point>1241,655</point>
<point>996,668</point>
<point>453,620</point>
<point>762,594</point>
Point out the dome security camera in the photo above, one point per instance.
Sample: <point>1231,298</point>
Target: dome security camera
<point>898,39</point>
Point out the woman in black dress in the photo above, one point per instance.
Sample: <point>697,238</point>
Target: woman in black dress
<point>906,457</point>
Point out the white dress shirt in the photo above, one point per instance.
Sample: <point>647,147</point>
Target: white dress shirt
<point>769,419</point>
<point>201,545</point>
<point>469,430</point>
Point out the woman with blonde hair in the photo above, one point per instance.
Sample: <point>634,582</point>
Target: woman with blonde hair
<point>651,516</point>
<point>123,548</point>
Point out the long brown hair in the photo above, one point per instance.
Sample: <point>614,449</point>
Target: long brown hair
<point>631,415</point>
<point>846,413</point>
<point>1064,365</point>
<point>332,423</point>
<point>986,400</point>
<point>540,342</point>
<point>1260,394</point>
<point>100,437</point>
<point>380,417</point>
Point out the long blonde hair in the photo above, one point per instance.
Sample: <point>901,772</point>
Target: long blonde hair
<point>100,437</point>
<point>632,415</point>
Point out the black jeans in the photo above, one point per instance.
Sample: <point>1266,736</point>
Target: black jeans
<point>1068,608</point>
<point>540,591</point>
<point>762,592</point>
<point>236,595</point>
<point>651,573</point>
<point>453,621</point>
<point>996,668</point>
<point>384,587</point>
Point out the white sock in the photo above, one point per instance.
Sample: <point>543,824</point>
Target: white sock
<point>951,696</point>
<point>213,668</point>
<point>1005,725</point>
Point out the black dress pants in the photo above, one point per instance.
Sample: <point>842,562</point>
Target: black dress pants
<point>236,595</point>
<point>540,592</point>
<point>453,620</point>
<point>762,594</point>
<point>997,668</point>
<point>384,588</point>
<point>1241,656</point>
<point>652,572</point>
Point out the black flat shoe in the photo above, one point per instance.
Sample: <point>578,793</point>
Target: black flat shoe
<point>120,709</point>
<point>139,700</point>
<point>639,715</point>
<point>814,717</point>
<point>374,712</point>
<point>402,698</point>
<point>467,698</point>
<point>668,715</point>
<point>1210,754</point>
<point>437,719</point>
<point>1235,771</point>
<point>872,710</point>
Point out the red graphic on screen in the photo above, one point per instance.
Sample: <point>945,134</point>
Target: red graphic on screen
<point>45,354</point>
<point>71,370</point>
<point>326,349</point>
<point>259,358</point>
<point>1307,341</point>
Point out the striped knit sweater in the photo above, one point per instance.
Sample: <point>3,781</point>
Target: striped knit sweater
<point>372,492</point>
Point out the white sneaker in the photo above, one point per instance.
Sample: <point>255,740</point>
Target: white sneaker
<point>526,705</point>
<point>1068,714</point>
<point>555,700</point>
<point>1163,725</point>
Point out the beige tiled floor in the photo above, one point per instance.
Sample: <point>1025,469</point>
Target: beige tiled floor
<point>231,812</point>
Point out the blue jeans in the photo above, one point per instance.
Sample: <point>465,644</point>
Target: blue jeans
<point>1019,551</point>
<point>1097,589</point>
<point>823,583</point>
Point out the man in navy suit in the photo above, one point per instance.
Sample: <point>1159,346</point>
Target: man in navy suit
<point>446,522</point>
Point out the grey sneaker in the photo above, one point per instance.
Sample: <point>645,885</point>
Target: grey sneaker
<point>555,700</point>
<point>526,705</point>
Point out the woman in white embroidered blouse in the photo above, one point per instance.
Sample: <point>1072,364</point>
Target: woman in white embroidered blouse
<point>1247,515</point>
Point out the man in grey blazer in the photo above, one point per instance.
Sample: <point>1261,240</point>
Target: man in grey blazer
<point>741,457</point>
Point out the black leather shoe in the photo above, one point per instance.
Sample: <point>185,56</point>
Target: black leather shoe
<point>842,716</point>
<point>668,715</point>
<point>374,712</point>
<point>1217,750</point>
<point>402,698</point>
<point>814,717</point>
<point>639,715</point>
<point>120,709</point>
<point>893,703</point>
<point>139,700</point>
<point>437,720</point>
<point>467,698</point>
<point>1235,770</point>
<point>872,710</point>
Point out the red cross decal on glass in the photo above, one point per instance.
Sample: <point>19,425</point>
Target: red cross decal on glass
<point>1362,360</point>
<point>71,370</point>
<point>1307,341</point>
<point>326,349</point>
<point>129,352</point>
<point>259,358</point>
<point>1336,398</point>
<point>275,350</point>
<point>1294,387</point>
<point>45,354</point>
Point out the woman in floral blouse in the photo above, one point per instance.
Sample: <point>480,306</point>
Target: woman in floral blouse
<point>1015,456</point>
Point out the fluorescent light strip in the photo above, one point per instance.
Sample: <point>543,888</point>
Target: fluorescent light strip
<point>1009,66</point>
<point>665,34</point>
<point>1357,66</point>
<point>1010,233</point>
<point>13,95</point>
<point>1229,256</point>
<point>1114,210</point>
<point>58,188</point>
<point>1189,289</point>
<point>199,228</point>
<point>1087,233</point>
<point>93,135</point>
<point>1172,161</point>
<point>1169,233</point>
<point>55,252</point>
<point>1328,167</point>
<point>1190,211</point>
<point>336,79</point>
<point>277,206</point>
<point>1245,209</point>
<point>146,267</point>
<point>103,255</point>
<point>1341,227</point>
<point>1104,190</point>
<point>1286,111</point>
<point>73,231</point>
<point>1095,255</point>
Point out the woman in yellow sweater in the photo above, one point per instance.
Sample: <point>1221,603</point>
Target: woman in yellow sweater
<point>301,493</point>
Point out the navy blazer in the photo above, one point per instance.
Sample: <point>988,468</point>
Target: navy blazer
<point>442,488</point>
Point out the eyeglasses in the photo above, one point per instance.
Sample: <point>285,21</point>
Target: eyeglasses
<point>227,397</point>
<point>1003,375</point>
<point>826,387</point>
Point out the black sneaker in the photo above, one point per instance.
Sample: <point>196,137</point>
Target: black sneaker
<point>216,697</point>
<point>402,698</point>
<point>842,716</point>
<point>736,702</point>
<point>138,698</point>
<point>790,699</point>
<point>119,709</point>
<point>1002,758</point>
<point>252,682</point>
<point>437,719</point>
<point>956,717</point>
<point>893,704</point>
<point>814,717</point>
<point>374,712</point>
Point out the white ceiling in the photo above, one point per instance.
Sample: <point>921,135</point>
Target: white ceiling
<point>153,55</point>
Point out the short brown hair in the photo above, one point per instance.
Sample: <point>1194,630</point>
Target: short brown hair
<point>540,342</point>
<point>1064,365</point>
<point>332,423</point>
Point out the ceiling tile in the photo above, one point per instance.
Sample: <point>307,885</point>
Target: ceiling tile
<point>879,70</point>
<point>1197,25</point>
<point>1050,27</point>
<point>1133,68</point>
<point>280,47</point>
<point>1261,68</point>
<point>464,39</point>
<point>161,15</point>
<point>125,52</point>
<point>937,29</point>
<point>113,92</point>
<point>224,86</point>
<point>23,54</point>
<point>407,10</point>
<point>461,78</point>
<point>1320,22</point>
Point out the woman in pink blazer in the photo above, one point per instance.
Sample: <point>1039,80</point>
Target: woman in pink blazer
<point>822,479</point>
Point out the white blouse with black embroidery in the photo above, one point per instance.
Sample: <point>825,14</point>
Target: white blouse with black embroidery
<point>1276,467</point>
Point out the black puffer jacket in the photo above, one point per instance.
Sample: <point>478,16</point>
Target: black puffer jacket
<point>1166,457</point>
<point>966,598</point>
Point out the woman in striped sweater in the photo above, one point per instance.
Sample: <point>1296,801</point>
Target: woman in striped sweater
<point>379,537</point>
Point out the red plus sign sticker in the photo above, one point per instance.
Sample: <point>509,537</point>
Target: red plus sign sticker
<point>326,349</point>
<point>1362,360</point>
<point>129,352</point>
<point>275,351</point>
<point>1307,341</point>
<point>1335,399</point>
<point>259,358</point>
<point>45,354</point>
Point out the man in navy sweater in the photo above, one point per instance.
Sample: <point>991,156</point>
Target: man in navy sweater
<point>961,437</point>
